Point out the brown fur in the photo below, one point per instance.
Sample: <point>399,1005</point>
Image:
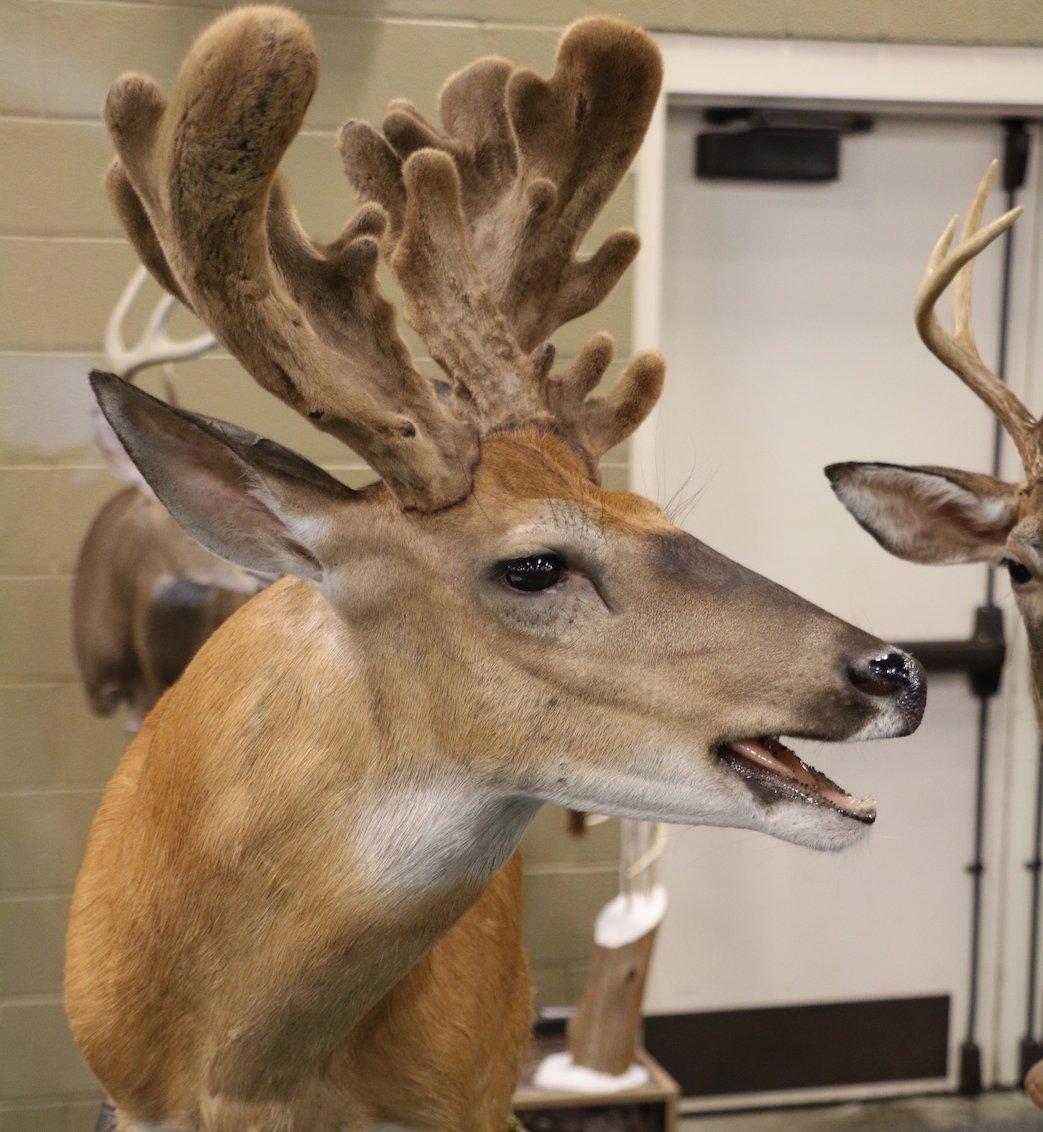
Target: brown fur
<point>145,597</point>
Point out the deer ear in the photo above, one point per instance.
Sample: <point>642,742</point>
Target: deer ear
<point>243,497</point>
<point>934,515</point>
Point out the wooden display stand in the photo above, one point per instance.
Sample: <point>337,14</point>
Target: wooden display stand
<point>649,1108</point>
<point>606,1029</point>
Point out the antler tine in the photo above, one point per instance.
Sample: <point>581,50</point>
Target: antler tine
<point>958,350</point>
<point>447,304</point>
<point>601,422</point>
<point>535,161</point>
<point>607,421</point>
<point>154,347</point>
<point>198,189</point>
<point>963,331</point>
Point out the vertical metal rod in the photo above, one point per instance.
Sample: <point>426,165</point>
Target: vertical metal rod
<point>1001,368</point>
<point>977,866</point>
<point>970,1054</point>
<point>1034,867</point>
<point>1031,1048</point>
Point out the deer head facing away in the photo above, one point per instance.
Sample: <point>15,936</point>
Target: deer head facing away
<point>555,639</point>
<point>942,516</point>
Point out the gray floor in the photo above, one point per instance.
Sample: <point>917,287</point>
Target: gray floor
<point>994,1112</point>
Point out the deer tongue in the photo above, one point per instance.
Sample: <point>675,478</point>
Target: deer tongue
<point>777,758</point>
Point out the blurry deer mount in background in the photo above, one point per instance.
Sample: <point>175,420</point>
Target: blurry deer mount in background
<point>145,594</point>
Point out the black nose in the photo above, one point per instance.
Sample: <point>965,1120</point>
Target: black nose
<point>888,675</point>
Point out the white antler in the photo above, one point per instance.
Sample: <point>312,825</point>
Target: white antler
<point>155,347</point>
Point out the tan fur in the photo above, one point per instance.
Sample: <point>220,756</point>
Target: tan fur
<point>441,1050</point>
<point>191,862</point>
<point>145,597</point>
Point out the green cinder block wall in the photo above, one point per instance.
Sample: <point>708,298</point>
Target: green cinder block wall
<point>63,261</point>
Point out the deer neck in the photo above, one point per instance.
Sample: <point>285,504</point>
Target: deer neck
<point>359,835</point>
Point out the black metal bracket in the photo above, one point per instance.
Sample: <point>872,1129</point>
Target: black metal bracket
<point>981,656</point>
<point>773,144</point>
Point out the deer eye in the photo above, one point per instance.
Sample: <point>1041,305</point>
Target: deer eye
<point>1019,575</point>
<point>534,572</point>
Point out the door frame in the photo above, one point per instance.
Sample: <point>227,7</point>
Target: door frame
<point>803,73</point>
<point>926,81</point>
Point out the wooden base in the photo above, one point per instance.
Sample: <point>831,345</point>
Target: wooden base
<point>605,1030</point>
<point>649,1108</point>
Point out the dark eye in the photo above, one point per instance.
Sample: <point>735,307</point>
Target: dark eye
<point>1019,575</point>
<point>536,572</point>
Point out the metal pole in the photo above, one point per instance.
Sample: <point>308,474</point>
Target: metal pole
<point>1031,1049</point>
<point>970,1052</point>
<point>1015,156</point>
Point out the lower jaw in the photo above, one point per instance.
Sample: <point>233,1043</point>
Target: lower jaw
<point>774,773</point>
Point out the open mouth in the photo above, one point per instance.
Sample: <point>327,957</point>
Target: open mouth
<point>768,765</point>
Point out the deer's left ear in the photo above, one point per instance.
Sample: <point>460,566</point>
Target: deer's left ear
<point>934,515</point>
<point>243,497</point>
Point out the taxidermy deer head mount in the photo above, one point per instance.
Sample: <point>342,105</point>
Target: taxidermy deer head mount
<point>574,643</point>
<point>312,837</point>
<point>942,515</point>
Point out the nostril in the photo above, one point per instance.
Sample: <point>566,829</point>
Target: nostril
<point>882,675</point>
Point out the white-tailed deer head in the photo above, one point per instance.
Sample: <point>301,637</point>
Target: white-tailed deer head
<point>588,606</point>
<point>348,762</point>
<point>942,515</point>
<point>579,610</point>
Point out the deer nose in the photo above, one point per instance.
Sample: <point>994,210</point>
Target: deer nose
<point>894,677</point>
<point>886,675</point>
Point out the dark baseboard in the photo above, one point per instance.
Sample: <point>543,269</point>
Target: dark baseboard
<point>774,1048</point>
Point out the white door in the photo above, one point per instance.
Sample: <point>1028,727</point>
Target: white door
<point>788,332</point>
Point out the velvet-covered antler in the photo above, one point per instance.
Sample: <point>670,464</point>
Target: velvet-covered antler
<point>197,187</point>
<point>536,161</point>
